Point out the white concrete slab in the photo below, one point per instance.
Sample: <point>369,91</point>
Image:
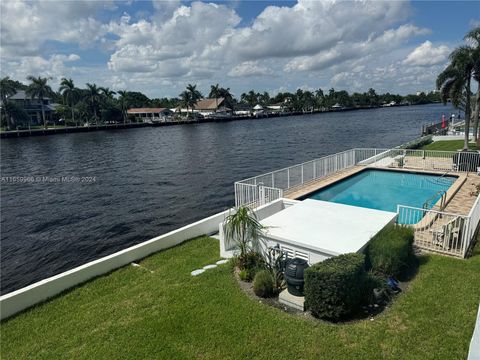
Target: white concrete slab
<point>327,227</point>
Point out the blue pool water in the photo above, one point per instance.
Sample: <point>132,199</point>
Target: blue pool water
<point>384,190</point>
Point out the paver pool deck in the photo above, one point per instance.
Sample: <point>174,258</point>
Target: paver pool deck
<point>459,198</point>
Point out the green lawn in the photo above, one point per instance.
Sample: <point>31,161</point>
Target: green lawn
<point>450,145</point>
<point>133,313</point>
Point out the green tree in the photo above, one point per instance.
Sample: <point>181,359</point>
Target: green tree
<point>195,95</point>
<point>94,98</point>
<point>107,92</point>
<point>39,88</point>
<point>70,95</point>
<point>215,93</point>
<point>123,101</point>
<point>244,230</point>
<point>186,100</point>
<point>15,114</point>
<point>473,38</point>
<point>7,89</point>
<point>454,82</point>
<point>250,98</point>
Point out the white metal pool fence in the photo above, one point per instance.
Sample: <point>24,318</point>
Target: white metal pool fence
<point>265,188</point>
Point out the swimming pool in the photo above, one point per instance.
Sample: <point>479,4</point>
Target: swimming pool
<point>385,189</point>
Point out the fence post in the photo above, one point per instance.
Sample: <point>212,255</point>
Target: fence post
<point>273,180</point>
<point>314,169</point>
<point>288,178</point>
<point>302,173</point>
<point>236,194</point>
<point>261,194</point>
<point>466,237</point>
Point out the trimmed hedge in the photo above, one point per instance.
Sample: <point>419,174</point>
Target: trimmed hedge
<point>390,252</point>
<point>263,284</point>
<point>334,288</point>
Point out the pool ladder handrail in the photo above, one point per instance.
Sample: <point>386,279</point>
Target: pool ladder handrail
<point>443,200</point>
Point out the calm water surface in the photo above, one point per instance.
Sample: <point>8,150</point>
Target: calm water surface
<point>149,181</point>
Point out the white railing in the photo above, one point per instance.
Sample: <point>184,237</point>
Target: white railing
<point>258,190</point>
<point>255,195</point>
<point>474,216</point>
<point>434,230</point>
<point>248,192</point>
<point>437,231</point>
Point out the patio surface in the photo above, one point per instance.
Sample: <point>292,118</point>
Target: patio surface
<point>315,225</point>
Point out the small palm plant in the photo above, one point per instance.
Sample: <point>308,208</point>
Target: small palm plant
<point>244,230</point>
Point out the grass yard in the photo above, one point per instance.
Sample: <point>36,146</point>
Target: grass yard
<point>449,145</point>
<point>133,313</point>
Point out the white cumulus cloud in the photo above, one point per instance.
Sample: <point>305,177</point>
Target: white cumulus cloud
<point>427,55</point>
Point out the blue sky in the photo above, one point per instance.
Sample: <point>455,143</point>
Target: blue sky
<point>159,47</point>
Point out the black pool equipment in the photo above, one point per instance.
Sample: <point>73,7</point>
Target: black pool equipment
<point>294,276</point>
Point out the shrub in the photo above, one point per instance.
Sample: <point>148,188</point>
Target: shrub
<point>334,287</point>
<point>375,289</point>
<point>243,275</point>
<point>390,252</point>
<point>263,284</point>
<point>250,261</point>
<point>248,264</point>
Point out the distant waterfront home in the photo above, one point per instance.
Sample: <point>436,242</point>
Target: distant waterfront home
<point>207,106</point>
<point>243,109</point>
<point>33,107</point>
<point>150,115</point>
<point>258,110</point>
<point>278,108</point>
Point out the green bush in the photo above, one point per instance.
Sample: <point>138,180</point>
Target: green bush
<point>334,288</point>
<point>248,274</point>
<point>244,275</point>
<point>390,252</point>
<point>249,264</point>
<point>263,284</point>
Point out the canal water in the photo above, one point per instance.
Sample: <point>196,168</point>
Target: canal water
<point>69,199</point>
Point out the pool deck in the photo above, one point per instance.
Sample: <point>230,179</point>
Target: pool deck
<point>458,199</point>
<point>307,188</point>
<point>459,202</point>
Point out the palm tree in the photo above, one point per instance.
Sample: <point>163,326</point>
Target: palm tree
<point>7,89</point>
<point>319,98</point>
<point>39,89</point>
<point>244,230</point>
<point>195,95</point>
<point>473,38</point>
<point>107,92</point>
<point>265,98</point>
<point>215,93</point>
<point>454,82</point>
<point>251,98</point>
<point>123,103</point>
<point>186,100</point>
<point>70,94</point>
<point>94,97</point>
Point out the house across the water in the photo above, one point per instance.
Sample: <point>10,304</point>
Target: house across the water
<point>33,107</point>
<point>150,115</point>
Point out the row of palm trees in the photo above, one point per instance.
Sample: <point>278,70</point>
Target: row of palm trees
<point>84,103</point>
<point>455,81</point>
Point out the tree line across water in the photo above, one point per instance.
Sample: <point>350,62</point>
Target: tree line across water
<point>94,104</point>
